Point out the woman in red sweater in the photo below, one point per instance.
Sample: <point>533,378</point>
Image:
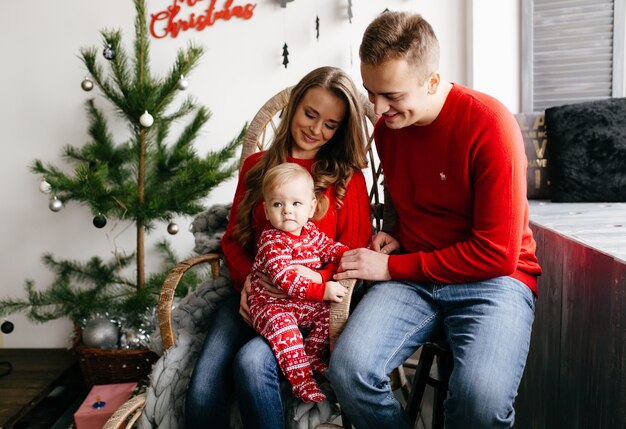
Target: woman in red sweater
<point>321,130</point>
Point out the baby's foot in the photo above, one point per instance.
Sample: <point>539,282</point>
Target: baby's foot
<point>309,391</point>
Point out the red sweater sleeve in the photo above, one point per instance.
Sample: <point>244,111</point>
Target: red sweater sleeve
<point>238,259</point>
<point>354,221</point>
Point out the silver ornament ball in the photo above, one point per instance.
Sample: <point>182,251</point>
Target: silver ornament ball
<point>101,333</point>
<point>45,187</point>
<point>55,205</point>
<point>86,84</point>
<point>146,120</point>
<point>109,53</point>
<point>172,228</point>
<point>182,83</point>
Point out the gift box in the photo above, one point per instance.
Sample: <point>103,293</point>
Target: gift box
<point>101,402</point>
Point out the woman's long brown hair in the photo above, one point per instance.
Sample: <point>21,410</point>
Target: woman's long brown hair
<point>335,161</point>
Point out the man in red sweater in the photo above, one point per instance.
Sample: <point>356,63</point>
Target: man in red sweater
<point>459,263</point>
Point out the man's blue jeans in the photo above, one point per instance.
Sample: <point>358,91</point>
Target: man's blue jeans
<point>487,325</point>
<point>234,355</point>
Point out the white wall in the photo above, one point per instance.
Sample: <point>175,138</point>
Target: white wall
<point>494,51</point>
<point>42,107</point>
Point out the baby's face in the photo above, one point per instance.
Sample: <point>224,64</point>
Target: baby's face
<point>290,206</point>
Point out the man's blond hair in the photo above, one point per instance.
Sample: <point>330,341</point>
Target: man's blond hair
<point>401,35</point>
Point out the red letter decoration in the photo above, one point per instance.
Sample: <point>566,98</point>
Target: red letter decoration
<point>168,23</point>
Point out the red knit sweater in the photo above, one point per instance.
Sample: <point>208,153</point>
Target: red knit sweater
<point>349,224</point>
<point>459,187</point>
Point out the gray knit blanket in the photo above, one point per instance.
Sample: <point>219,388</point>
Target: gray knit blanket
<point>165,395</point>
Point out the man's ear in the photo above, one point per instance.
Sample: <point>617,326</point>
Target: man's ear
<point>433,82</point>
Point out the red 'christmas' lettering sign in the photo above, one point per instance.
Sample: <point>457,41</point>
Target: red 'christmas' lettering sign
<point>167,22</point>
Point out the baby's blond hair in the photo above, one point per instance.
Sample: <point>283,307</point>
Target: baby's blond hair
<point>280,174</point>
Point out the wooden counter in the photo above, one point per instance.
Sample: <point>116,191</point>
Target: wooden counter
<point>575,375</point>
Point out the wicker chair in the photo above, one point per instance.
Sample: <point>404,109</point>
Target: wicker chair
<point>258,136</point>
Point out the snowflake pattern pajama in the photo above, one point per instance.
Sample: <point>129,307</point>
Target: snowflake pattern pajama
<point>278,319</point>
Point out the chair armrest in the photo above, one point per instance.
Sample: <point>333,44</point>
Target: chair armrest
<point>339,312</point>
<point>130,409</point>
<point>166,296</point>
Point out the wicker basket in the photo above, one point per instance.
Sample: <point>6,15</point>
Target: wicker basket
<point>109,366</point>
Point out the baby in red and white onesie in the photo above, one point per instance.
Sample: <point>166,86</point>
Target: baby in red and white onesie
<point>293,240</point>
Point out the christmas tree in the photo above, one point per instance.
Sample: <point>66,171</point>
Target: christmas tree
<point>144,180</point>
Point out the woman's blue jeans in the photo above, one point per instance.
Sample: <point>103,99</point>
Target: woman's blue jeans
<point>234,359</point>
<point>487,325</point>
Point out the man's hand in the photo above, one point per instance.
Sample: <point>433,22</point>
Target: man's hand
<point>364,264</point>
<point>335,291</point>
<point>384,243</point>
<point>244,310</point>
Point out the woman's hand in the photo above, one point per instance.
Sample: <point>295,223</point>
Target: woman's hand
<point>335,291</point>
<point>270,289</point>
<point>275,292</point>
<point>244,310</point>
<point>384,243</point>
<point>308,273</point>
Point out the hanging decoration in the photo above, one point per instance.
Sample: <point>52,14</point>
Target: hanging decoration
<point>173,20</point>
<point>45,187</point>
<point>317,28</point>
<point>109,53</point>
<point>182,83</point>
<point>99,221</point>
<point>55,204</point>
<point>86,84</point>
<point>172,228</point>
<point>7,327</point>
<point>146,120</point>
<point>350,16</point>
<point>283,3</point>
<point>285,55</point>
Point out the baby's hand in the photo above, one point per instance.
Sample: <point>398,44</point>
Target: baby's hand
<point>335,291</point>
<point>384,243</point>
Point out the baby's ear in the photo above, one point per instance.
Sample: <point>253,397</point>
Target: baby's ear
<point>322,207</point>
<point>265,211</point>
<point>313,207</point>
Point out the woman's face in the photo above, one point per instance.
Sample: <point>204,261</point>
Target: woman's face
<point>317,118</point>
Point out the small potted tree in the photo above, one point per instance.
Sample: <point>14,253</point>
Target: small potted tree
<point>147,179</point>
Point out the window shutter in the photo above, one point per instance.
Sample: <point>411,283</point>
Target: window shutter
<point>569,49</point>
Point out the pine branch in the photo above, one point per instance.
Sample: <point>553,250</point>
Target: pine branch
<point>142,53</point>
<point>93,271</point>
<point>119,64</point>
<point>188,106</point>
<point>88,57</point>
<point>186,61</point>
